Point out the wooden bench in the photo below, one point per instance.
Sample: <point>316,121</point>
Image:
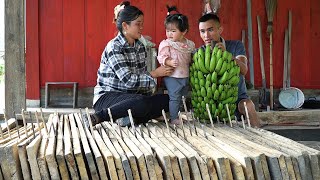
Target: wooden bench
<point>50,84</point>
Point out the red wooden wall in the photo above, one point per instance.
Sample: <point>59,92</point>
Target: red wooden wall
<point>65,39</point>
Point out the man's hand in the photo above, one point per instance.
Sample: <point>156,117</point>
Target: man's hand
<point>220,46</point>
<point>162,71</point>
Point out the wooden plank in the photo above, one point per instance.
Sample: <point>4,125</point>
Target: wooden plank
<point>162,155</point>
<point>68,154</point>
<point>126,158</point>
<point>23,157</point>
<point>221,162</point>
<point>11,124</point>
<point>32,151</point>
<point>149,161</point>
<point>145,145</point>
<point>207,170</point>
<point>10,164</point>
<point>15,77</point>
<point>116,156</point>
<point>50,153</point>
<point>97,155</point>
<point>126,143</point>
<point>195,171</point>
<point>173,158</point>
<point>311,154</point>
<point>86,148</point>
<point>107,155</point>
<point>62,165</point>
<point>238,141</point>
<point>304,167</point>
<point>77,149</point>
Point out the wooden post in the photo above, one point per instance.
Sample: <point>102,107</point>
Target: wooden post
<point>15,80</point>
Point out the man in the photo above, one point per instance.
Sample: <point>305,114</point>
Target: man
<point>210,32</point>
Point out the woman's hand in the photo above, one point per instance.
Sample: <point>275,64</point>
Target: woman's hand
<point>171,62</point>
<point>162,71</point>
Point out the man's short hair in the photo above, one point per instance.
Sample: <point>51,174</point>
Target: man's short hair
<point>208,17</point>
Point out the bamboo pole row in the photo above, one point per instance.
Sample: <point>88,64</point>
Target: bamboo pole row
<point>63,148</point>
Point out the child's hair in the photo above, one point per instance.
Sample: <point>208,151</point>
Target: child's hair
<point>174,17</point>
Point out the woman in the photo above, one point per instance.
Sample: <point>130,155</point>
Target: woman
<point>123,82</point>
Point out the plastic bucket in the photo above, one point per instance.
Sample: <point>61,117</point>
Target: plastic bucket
<point>291,98</point>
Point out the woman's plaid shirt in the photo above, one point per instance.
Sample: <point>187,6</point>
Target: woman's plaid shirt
<point>123,69</point>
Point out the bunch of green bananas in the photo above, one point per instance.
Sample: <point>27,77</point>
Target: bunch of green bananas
<point>214,79</point>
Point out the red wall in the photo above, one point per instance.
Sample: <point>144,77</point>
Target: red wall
<point>65,39</point>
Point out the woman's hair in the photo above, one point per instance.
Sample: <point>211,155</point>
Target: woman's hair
<point>174,17</point>
<point>124,12</point>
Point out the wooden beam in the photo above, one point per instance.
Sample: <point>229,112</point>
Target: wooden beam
<point>15,79</point>
<point>62,165</point>
<point>68,153</point>
<point>77,148</point>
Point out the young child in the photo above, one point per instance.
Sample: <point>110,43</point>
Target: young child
<point>175,51</point>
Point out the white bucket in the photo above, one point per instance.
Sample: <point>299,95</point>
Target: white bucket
<point>291,98</point>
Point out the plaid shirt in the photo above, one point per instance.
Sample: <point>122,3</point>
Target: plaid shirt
<point>123,69</point>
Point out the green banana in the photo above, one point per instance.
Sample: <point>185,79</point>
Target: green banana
<point>209,92</point>
<point>216,94</point>
<point>214,87</point>
<point>223,68</point>
<point>222,96</point>
<point>208,84</point>
<point>220,88</point>
<point>224,77</point>
<point>201,60</point>
<point>200,75</point>
<point>213,108</point>
<point>196,64</point>
<point>213,63</point>
<point>207,57</point>
<point>219,65</point>
<point>215,50</point>
<point>214,77</point>
<point>208,78</point>
<point>229,58</point>
<point>203,92</point>
<point>206,100</point>
<point>225,55</point>
<point>228,100</point>
<point>219,53</point>
<point>202,82</point>
<point>220,106</point>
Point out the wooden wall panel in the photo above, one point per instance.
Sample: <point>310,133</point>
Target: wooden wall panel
<point>32,50</point>
<point>51,38</point>
<point>72,35</point>
<point>74,62</point>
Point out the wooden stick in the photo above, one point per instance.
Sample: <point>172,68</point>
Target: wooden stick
<point>89,119</point>
<point>224,121</point>
<point>195,128</point>
<point>180,118</point>
<point>5,118</point>
<point>31,120</point>
<point>37,119</point>
<point>110,115</point>
<point>209,113</point>
<point>228,111</point>
<point>17,125</point>
<point>132,123</point>
<point>243,124</point>
<point>44,123</point>
<point>140,130</point>
<point>218,120</point>
<point>24,123</point>
<point>149,134</point>
<point>120,130</point>
<point>184,105</point>
<point>236,119</point>
<point>166,120</point>
<point>271,73</point>
<point>247,114</point>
